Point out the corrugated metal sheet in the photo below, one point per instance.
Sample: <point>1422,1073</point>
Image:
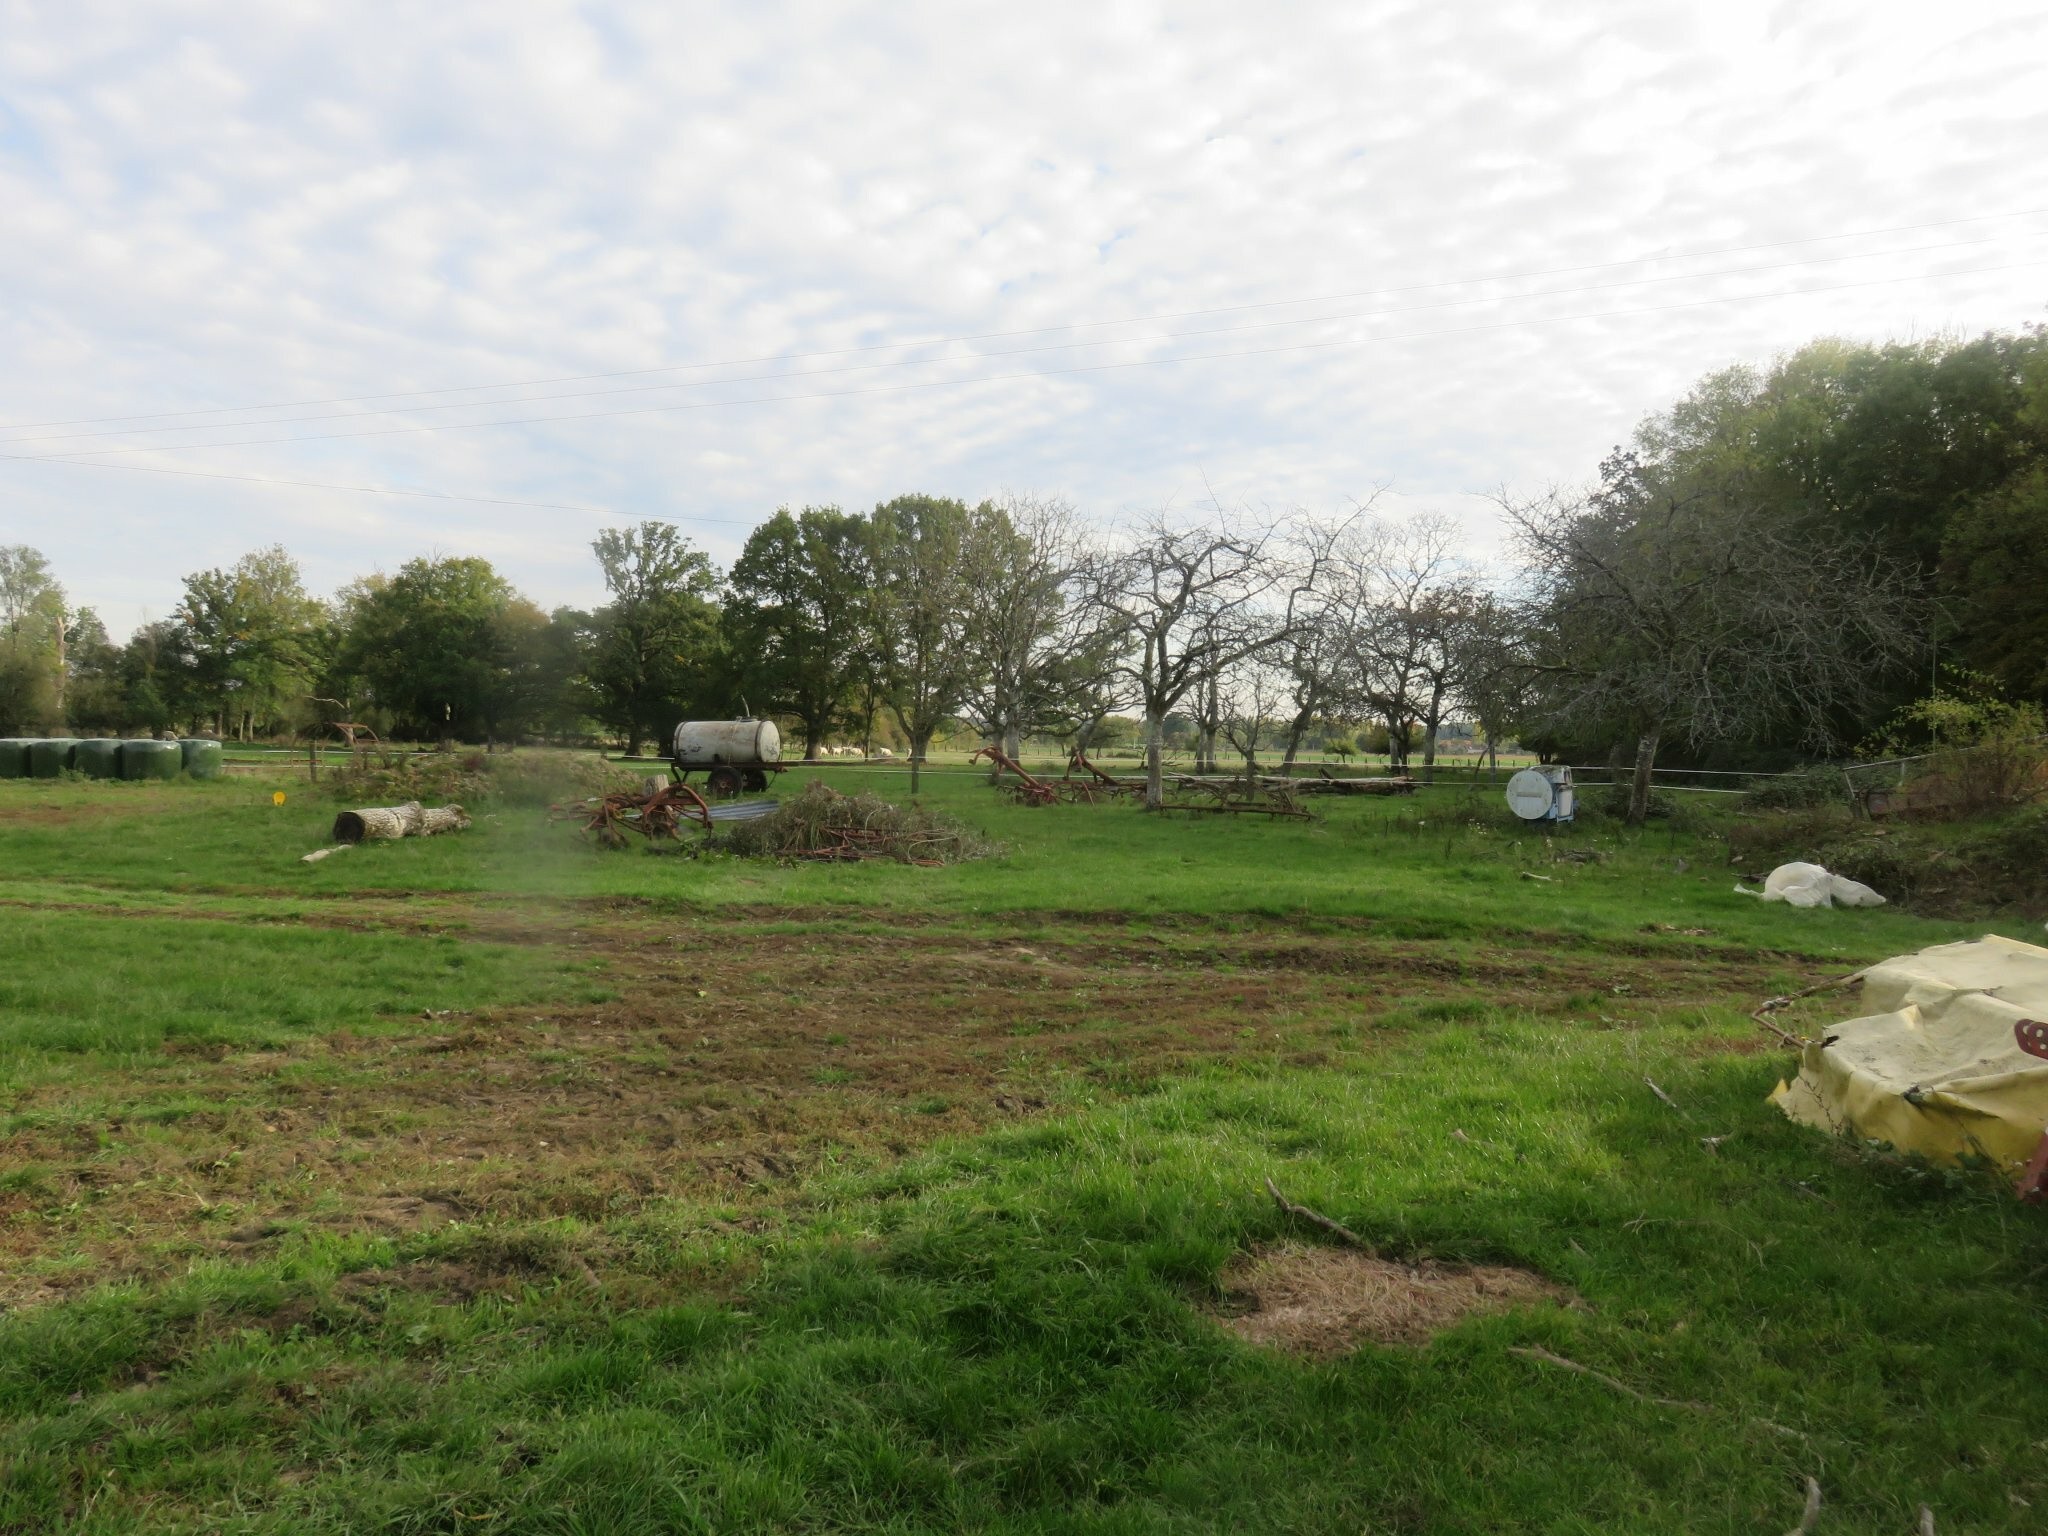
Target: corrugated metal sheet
<point>743,810</point>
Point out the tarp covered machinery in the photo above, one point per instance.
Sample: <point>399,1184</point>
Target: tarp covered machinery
<point>1950,1061</point>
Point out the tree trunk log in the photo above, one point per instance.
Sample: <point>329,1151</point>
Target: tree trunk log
<point>384,823</point>
<point>1155,728</point>
<point>1639,790</point>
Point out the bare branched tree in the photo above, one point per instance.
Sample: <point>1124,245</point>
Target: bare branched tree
<point>1042,662</point>
<point>1412,585</point>
<point>1695,614</point>
<point>1189,600</point>
<point>1322,659</point>
<point>1491,672</point>
<point>1249,694</point>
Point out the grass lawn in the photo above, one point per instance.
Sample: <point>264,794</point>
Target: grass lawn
<point>491,1184</point>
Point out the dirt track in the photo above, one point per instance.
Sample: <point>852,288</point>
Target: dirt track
<point>731,1060</point>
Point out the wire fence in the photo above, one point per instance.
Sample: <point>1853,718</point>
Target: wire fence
<point>1459,773</point>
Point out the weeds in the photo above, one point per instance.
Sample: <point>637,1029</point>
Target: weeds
<point>531,778</point>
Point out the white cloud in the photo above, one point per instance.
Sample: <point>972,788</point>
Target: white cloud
<point>214,204</point>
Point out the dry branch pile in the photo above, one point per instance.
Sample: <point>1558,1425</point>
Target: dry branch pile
<point>822,824</point>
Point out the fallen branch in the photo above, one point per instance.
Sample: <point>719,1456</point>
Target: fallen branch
<point>1538,1352</point>
<point>1546,879</point>
<point>1317,1218</point>
<point>1666,1098</point>
<point>1774,1004</point>
<point>1812,1514</point>
<point>1792,1040</point>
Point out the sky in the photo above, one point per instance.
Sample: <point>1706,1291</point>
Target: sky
<point>264,262</point>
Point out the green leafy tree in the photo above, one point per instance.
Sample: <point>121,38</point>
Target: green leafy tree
<point>654,649</point>
<point>155,690</point>
<point>430,645</point>
<point>95,697</point>
<point>1995,567</point>
<point>798,619</point>
<point>33,618</point>
<point>1929,453</point>
<point>925,551</point>
<point>568,706</point>
<point>1674,609</point>
<point>523,681</point>
<point>252,641</point>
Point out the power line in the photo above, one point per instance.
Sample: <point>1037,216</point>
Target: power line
<point>1033,331</point>
<point>1046,373</point>
<point>1256,325</point>
<point>368,490</point>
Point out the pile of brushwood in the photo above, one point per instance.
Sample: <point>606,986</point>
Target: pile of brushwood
<point>825,826</point>
<point>533,777</point>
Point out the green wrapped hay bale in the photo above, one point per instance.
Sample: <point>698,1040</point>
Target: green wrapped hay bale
<point>202,757</point>
<point>14,756</point>
<point>151,759</point>
<point>48,758</point>
<point>98,757</point>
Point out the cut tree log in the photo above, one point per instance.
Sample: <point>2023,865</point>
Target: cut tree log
<point>382,823</point>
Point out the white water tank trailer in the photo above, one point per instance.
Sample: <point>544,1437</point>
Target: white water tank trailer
<point>1543,794</point>
<point>731,754</point>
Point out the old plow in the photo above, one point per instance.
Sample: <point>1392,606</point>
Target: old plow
<point>657,812</point>
<point>1091,787</point>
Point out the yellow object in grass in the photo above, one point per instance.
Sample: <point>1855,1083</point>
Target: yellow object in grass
<point>277,797</point>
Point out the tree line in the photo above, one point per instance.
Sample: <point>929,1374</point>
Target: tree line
<point>1774,566</point>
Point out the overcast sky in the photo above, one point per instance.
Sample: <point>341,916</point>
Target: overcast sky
<point>1444,247</point>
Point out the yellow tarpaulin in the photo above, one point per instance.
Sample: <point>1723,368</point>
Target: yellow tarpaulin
<point>1936,1066</point>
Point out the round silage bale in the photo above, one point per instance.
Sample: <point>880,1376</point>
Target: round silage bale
<point>202,757</point>
<point>145,759</point>
<point>51,756</point>
<point>98,757</point>
<point>14,756</point>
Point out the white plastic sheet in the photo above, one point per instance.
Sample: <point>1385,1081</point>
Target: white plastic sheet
<point>1809,885</point>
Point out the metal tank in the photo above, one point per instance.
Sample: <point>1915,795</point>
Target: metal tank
<point>732,754</point>
<point>1543,794</point>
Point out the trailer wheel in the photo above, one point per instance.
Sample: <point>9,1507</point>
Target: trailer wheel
<point>724,780</point>
<point>757,780</point>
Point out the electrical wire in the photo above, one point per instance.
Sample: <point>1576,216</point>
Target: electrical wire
<point>1046,373</point>
<point>367,490</point>
<point>1039,330</point>
<point>1062,346</point>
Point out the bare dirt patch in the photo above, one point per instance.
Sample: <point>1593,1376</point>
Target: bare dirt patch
<point>1325,1302</point>
<point>729,1063</point>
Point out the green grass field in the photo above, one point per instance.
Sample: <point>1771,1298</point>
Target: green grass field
<point>493,1184</point>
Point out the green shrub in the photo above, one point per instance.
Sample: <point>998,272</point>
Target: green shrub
<point>1821,784</point>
